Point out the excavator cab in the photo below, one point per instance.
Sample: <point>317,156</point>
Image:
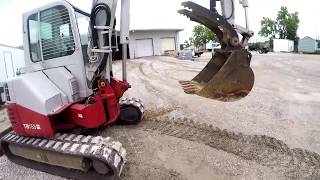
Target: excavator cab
<point>228,76</point>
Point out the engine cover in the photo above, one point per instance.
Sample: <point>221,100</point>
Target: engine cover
<point>36,92</point>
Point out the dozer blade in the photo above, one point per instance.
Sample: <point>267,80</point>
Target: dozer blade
<point>227,77</point>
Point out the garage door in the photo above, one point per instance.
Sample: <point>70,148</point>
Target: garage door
<point>144,47</point>
<point>168,44</point>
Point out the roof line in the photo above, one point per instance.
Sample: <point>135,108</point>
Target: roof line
<point>15,47</point>
<point>310,38</point>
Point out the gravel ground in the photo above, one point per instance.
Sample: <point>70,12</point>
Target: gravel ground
<point>262,131</point>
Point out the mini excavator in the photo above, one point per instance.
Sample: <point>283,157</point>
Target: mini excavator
<point>68,83</point>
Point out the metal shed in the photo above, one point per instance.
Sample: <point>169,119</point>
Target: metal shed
<point>308,45</point>
<point>283,45</point>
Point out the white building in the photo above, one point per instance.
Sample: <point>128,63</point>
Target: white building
<point>283,45</point>
<point>308,45</point>
<point>11,59</point>
<point>153,42</point>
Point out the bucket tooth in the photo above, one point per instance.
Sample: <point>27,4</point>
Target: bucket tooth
<point>191,87</point>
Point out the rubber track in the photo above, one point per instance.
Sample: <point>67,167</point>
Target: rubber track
<point>92,147</point>
<point>267,151</point>
<point>2,134</point>
<point>134,102</point>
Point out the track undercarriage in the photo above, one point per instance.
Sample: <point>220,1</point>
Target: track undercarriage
<point>74,156</point>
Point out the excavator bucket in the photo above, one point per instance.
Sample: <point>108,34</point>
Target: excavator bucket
<point>227,76</point>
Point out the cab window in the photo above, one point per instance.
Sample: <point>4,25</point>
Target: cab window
<point>51,35</point>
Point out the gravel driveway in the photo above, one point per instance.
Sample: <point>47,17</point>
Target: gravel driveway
<point>271,134</point>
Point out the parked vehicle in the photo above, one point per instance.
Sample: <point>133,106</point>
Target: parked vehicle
<point>198,53</point>
<point>186,54</point>
<point>213,46</point>
<point>189,53</point>
<point>263,50</point>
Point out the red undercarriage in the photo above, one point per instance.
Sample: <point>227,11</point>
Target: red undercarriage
<point>103,109</point>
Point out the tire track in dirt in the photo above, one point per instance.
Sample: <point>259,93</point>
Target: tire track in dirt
<point>187,68</point>
<point>299,69</point>
<point>146,79</point>
<point>157,75</point>
<point>150,87</point>
<point>288,72</point>
<point>146,82</point>
<point>152,66</point>
<point>184,65</point>
<point>138,166</point>
<point>160,76</point>
<point>141,69</point>
<point>293,163</point>
<point>268,151</point>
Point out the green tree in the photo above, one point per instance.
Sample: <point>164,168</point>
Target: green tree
<point>268,28</point>
<point>202,35</point>
<point>284,27</point>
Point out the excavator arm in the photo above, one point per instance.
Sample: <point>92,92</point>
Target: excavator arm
<point>227,76</point>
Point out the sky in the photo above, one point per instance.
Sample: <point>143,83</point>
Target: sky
<point>150,14</point>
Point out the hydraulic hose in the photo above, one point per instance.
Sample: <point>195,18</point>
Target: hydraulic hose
<point>232,12</point>
<point>95,37</point>
<point>95,10</point>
